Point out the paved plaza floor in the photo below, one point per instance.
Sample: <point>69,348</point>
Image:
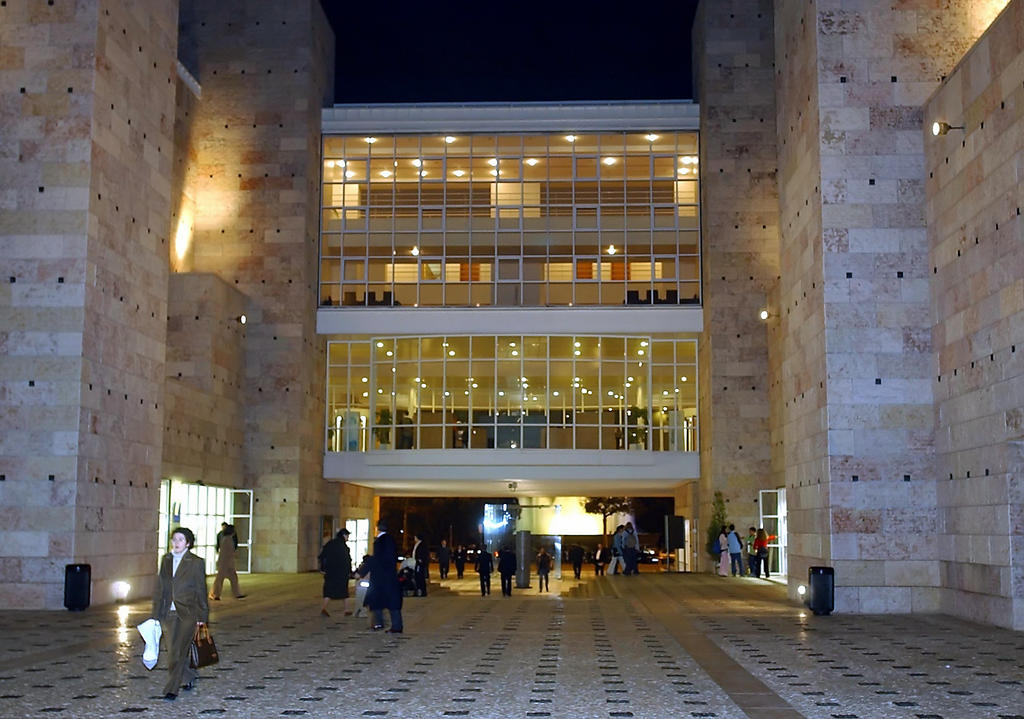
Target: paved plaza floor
<point>656,645</point>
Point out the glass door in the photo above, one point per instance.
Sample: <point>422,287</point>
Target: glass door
<point>773,518</point>
<point>241,517</point>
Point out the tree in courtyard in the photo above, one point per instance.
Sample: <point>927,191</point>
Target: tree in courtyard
<point>718,520</point>
<point>606,507</point>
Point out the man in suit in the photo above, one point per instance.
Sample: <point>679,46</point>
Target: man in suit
<point>507,566</point>
<point>180,604</point>
<point>421,553</point>
<point>444,558</point>
<point>576,557</point>
<point>384,592</point>
<point>484,567</point>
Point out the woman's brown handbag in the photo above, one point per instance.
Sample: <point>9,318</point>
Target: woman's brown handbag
<point>203,651</point>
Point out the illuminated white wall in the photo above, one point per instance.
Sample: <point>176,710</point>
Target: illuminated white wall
<point>562,516</point>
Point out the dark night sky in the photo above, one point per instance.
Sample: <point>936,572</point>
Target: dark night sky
<point>416,51</point>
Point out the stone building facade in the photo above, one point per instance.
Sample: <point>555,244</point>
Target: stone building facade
<point>147,205</point>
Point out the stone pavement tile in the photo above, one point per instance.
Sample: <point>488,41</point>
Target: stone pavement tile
<point>652,646</point>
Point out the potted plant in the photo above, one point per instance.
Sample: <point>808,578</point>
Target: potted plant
<point>636,427</point>
<point>383,429</point>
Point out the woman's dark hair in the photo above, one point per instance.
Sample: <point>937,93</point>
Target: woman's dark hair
<point>190,538</point>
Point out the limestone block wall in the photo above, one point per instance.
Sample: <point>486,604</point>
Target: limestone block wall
<point>733,47</point>
<point>86,105</point>
<point>265,70</point>
<point>977,300</point>
<point>858,414</point>
<point>797,327</point>
<point>204,416</point>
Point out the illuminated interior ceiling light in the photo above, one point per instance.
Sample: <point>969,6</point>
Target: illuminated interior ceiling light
<point>683,378</point>
<point>570,138</point>
<point>474,385</point>
<point>522,379</point>
<point>329,163</point>
<point>501,393</point>
<point>684,170</point>
<point>941,128</point>
<point>677,390</point>
<point>628,385</point>
<point>531,161</point>
<point>380,391</point>
<point>366,394</point>
<point>511,344</point>
<point>458,173</point>
<point>447,393</point>
<point>423,385</point>
<point>380,344</point>
<point>610,393</point>
<point>449,139</point>
<point>629,379</point>
<point>451,353</point>
<point>386,173</point>
<point>423,173</point>
<point>515,353</point>
<point>349,174</point>
<point>389,353</point>
<point>664,392</point>
<point>575,379</point>
<point>526,385</point>
<point>576,344</point>
<point>495,173</point>
<point>417,162</point>
<point>415,251</point>
<point>763,314</point>
<point>369,140</point>
<point>643,343</point>
<point>555,393</point>
<point>366,379</point>
<point>608,160</point>
<point>640,353</point>
<point>465,392</point>
<point>651,137</point>
<point>493,162</point>
<point>576,353</point>
<point>611,249</point>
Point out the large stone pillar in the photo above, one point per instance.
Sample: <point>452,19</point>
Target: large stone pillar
<point>266,71</point>
<point>86,122</point>
<point>739,225</point>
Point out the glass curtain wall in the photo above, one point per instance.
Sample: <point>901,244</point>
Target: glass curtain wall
<point>512,392</point>
<point>510,220</point>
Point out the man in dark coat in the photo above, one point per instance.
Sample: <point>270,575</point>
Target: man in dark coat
<point>384,592</point>
<point>421,554</point>
<point>576,557</point>
<point>336,564</point>
<point>484,567</point>
<point>507,569</point>
<point>460,561</point>
<point>444,558</point>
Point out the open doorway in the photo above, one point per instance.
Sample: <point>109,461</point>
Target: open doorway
<point>773,518</point>
<point>202,508</point>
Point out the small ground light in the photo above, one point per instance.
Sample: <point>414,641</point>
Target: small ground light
<point>120,590</point>
<point>763,314</point>
<point>802,591</point>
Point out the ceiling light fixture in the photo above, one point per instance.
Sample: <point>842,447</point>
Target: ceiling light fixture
<point>532,161</point>
<point>570,138</point>
<point>449,139</point>
<point>651,137</point>
<point>369,140</point>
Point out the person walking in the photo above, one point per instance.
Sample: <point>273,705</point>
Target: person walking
<point>362,575</point>
<point>617,559</point>
<point>384,592</point>
<point>336,565</point>
<point>761,551</point>
<point>421,570</point>
<point>484,567</point>
<point>631,549</point>
<point>735,547</point>
<point>576,558</point>
<point>226,547</point>
<point>180,605</point>
<point>751,554</point>
<point>723,552</point>
<point>601,558</point>
<point>460,561</point>
<point>444,559</point>
<point>507,566</point>
<point>543,569</point>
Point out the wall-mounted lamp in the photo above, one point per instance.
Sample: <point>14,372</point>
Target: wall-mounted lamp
<point>764,314</point>
<point>941,128</point>
<point>241,319</point>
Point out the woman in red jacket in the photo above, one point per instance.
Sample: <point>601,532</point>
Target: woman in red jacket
<point>761,553</point>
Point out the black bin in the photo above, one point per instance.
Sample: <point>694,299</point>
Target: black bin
<point>821,589</point>
<point>77,586</point>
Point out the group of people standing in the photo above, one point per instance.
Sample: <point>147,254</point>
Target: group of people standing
<point>508,564</point>
<point>731,549</point>
<point>379,569</point>
<point>624,553</point>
